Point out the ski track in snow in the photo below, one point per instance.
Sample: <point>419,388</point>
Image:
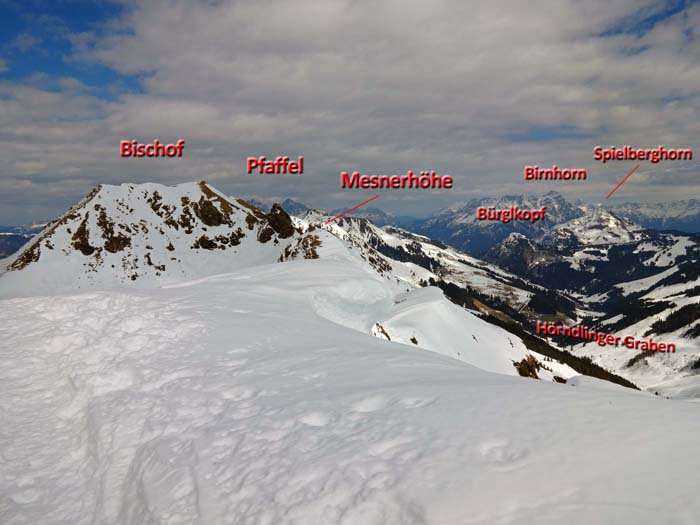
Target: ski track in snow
<point>233,400</point>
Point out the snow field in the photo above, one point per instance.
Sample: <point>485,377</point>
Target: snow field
<point>438,325</point>
<point>233,399</point>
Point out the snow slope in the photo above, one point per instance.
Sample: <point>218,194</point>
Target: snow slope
<point>596,227</point>
<point>254,397</point>
<point>424,318</point>
<point>415,259</point>
<point>121,236</point>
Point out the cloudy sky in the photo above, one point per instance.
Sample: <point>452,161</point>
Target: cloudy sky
<point>476,89</point>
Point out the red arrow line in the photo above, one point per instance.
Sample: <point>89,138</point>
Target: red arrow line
<point>351,209</point>
<point>622,181</point>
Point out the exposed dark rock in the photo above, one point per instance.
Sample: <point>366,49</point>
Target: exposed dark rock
<point>280,222</point>
<point>528,367</point>
<point>265,234</point>
<point>306,245</point>
<point>209,214</point>
<point>251,221</point>
<point>27,257</point>
<point>205,242</point>
<point>117,243</point>
<point>80,238</point>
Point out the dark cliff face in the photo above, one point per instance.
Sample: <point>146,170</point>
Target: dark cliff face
<point>516,251</point>
<point>280,221</point>
<point>526,258</point>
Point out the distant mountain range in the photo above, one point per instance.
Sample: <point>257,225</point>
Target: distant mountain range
<point>11,242</point>
<point>459,227</point>
<point>291,206</point>
<point>12,238</point>
<point>677,215</point>
<point>377,216</point>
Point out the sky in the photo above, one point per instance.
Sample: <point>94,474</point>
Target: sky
<point>472,89</point>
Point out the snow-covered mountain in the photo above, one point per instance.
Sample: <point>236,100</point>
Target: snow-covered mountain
<point>493,294</point>
<point>419,260</point>
<point>675,215</point>
<point>458,226</point>
<point>631,282</point>
<point>596,227</point>
<point>593,252</point>
<point>143,236</point>
<point>151,234</point>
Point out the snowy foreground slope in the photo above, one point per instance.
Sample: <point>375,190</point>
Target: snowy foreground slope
<point>258,372</point>
<point>254,397</point>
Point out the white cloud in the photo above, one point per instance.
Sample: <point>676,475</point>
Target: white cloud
<point>24,42</point>
<point>381,87</point>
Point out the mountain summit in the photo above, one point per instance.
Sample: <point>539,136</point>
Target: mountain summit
<point>151,233</point>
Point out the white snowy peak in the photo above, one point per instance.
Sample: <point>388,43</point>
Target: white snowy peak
<point>672,209</point>
<point>596,227</point>
<point>559,210</point>
<point>517,246</point>
<point>151,233</point>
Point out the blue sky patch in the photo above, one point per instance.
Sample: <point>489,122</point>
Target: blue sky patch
<point>36,46</point>
<point>547,133</point>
